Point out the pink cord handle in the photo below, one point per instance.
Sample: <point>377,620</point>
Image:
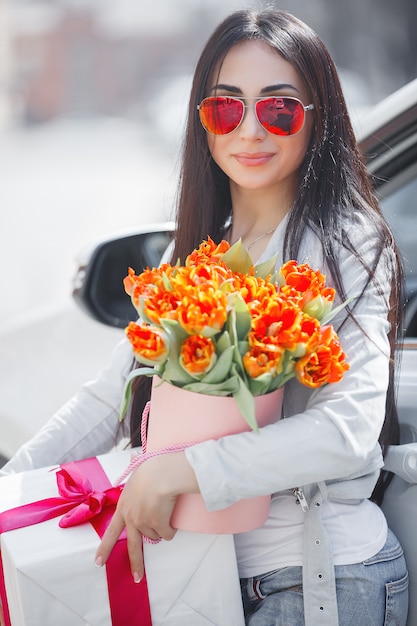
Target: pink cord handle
<point>140,458</point>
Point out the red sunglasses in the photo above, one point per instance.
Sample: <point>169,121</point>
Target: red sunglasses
<point>279,115</point>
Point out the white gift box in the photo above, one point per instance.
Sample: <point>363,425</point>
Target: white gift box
<point>51,579</point>
<point>193,581</point>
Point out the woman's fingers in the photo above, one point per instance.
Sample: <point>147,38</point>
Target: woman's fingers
<point>141,513</point>
<point>111,535</point>
<point>134,549</point>
<point>134,544</point>
<point>145,506</point>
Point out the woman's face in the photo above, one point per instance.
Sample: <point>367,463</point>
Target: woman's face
<point>252,157</point>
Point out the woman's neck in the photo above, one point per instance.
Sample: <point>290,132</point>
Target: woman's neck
<point>255,216</point>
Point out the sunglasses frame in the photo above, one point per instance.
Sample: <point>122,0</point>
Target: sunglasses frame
<point>308,107</point>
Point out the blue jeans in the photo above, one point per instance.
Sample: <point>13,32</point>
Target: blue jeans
<point>372,593</point>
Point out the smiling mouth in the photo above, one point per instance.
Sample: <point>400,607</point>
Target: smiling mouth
<point>257,158</point>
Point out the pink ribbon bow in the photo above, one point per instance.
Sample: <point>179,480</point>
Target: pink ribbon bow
<point>79,501</point>
<point>88,503</point>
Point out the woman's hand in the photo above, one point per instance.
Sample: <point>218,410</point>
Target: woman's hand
<point>145,506</point>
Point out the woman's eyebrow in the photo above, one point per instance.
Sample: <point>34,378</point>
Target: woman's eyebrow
<point>268,89</point>
<point>224,87</point>
<point>279,87</point>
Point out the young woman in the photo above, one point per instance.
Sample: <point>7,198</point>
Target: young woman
<point>270,157</point>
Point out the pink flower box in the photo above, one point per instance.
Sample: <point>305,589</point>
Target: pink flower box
<point>177,417</point>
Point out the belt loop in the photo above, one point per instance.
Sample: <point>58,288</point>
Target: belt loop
<point>256,589</point>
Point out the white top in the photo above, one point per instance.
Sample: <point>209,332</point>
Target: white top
<point>327,435</point>
<point>356,533</point>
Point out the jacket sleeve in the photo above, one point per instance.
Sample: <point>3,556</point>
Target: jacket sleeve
<point>87,425</point>
<point>328,434</point>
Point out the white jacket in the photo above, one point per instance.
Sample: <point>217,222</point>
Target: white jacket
<point>332,435</point>
<point>333,431</point>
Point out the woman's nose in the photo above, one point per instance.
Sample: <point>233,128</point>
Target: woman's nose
<point>250,128</point>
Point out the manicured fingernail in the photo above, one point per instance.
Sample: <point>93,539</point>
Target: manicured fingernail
<point>99,561</point>
<point>136,577</point>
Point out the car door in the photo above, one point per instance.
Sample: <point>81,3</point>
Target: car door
<point>389,141</point>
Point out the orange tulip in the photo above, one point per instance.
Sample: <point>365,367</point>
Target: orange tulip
<point>144,284</point>
<point>199,275</point>
<point>198,354</point>
<point>327,364</point>
<point>207,252</point>
<point>252,288</point>
<point>308,282</point>
<point>160,305</point>
<point>276,321</point>
<point>148,343</point>
<point>202,309</point>
<point>258,361</point>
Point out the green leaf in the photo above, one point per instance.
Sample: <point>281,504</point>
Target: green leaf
<point>173,371</point>
<point>243,318</point>
<point>127,391</point>
<point>237,258</point>
<point>166,282</point>
<point>231,326</point>
<point>210,332</point>
<point>261,385</point>
<point>243,347</point>
<point>176,374</point>
<point>286,374</point>
<point>221,369</point>
<point>267,268</point>
<point>141,311</point>
<point>226,388</point>
<point>174,329</point>
<point>126,398</point>
<point>223,342</point>
<point>328,318</point>
<point>246,403</point>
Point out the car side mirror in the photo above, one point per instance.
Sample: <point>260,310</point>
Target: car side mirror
<point>98,284</point>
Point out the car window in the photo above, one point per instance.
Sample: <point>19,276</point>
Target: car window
<point>400,208</point>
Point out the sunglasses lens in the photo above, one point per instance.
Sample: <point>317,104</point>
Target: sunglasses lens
<point>281,116</point>
<point>221,115</point>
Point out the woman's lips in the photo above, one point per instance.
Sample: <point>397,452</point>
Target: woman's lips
<point>253,159</point>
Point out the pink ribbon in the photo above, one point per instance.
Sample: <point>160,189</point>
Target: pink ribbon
<point>83,501</point>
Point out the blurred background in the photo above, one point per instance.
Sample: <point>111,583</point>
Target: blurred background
<point>92,104</point>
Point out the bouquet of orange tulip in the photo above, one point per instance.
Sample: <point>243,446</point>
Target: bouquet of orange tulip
<point>219,325</point>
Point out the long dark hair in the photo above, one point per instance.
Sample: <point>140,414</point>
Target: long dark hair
<point>204,202</point>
